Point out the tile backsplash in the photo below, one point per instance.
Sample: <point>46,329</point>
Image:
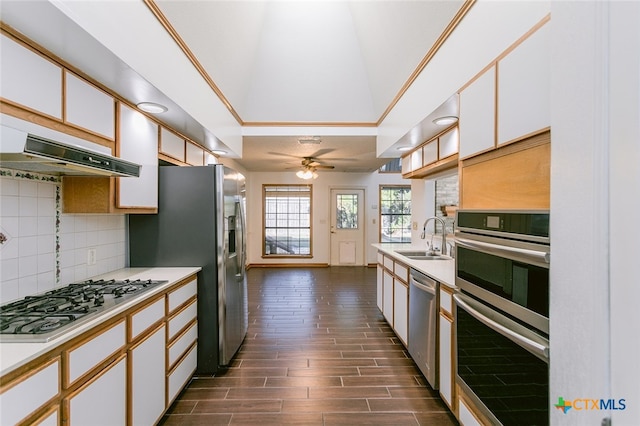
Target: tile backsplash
<point>40,247</point>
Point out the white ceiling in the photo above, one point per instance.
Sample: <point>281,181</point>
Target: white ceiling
<point>278,64</point>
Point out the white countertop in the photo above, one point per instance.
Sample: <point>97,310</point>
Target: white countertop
<point>442,271</point>
<point>14,355</point>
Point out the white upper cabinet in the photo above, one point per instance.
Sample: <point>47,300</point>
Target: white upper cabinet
<point>89,107</point>
<point>195,155</point>
<point>138,143</point>
<point>172,144</point>
<point>30,80</point>
<point>477,115</point>
<point>448,143</point>
<point>524,88</point>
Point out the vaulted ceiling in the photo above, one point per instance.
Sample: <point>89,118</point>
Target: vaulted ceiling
<point>278,64</point>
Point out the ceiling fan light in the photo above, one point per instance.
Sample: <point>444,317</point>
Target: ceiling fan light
<point>307,174</point>
<point>446,120</point>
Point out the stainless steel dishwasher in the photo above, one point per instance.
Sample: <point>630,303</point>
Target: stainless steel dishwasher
<point>423,324</point>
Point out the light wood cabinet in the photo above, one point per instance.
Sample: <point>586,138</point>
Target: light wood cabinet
<point>478,115</point>
<point>515,176</point>
<point>29,79</point>
<point>88,107</point>
<point>102,400</point>
<point>524,88</point>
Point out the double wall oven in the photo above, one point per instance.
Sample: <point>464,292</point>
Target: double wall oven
<point>502,314</point>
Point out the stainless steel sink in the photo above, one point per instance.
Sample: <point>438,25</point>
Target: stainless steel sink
<point>421,255</point>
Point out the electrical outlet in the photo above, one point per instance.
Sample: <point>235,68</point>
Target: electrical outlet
<point>91,256</point>
<point>414,225</point>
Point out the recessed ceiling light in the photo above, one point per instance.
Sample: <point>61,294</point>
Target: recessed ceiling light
<point>152,107</point>
<point>405,148</point>
<point>446,120</point>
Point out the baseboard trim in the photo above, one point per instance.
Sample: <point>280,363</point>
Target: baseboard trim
<point>287,265</point>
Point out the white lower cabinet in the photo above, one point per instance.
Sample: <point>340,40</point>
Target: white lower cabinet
<point>379,278</point>
<point>102,400</point>
<point>465,415</point>
<point>182,373</point>
<point>30,393</point>
<point>387,296</point>
<point>148,368</point>
<point>51,418</point>
<point>401,310</point>
<point>446,362</point>
<point>94,351</point>
<point>124,372</point>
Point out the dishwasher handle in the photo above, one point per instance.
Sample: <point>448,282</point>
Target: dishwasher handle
<point>423,282</point>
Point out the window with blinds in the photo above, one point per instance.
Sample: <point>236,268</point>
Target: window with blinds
<point>287,220</point>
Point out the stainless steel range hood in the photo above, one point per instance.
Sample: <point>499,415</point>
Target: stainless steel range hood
<point>23,151</point>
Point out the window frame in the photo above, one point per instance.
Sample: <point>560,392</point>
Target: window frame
<point>380,214</point>
<point>264,221</point>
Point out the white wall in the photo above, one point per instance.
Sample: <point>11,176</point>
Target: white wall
<point>321,213</point>
<point>46,248</point>
<point>595,188</point>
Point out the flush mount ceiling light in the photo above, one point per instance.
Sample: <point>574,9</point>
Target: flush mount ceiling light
<point>445,121</point>
<point>152,107</point>
<point>307,173</point>
<point>309,140</point>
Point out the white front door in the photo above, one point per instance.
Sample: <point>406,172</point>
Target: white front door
<point>347,227</point>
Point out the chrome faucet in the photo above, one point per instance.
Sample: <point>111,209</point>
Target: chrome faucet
<point>443,246</point>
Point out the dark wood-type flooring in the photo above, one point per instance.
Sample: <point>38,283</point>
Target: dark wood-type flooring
<point>318,352</point>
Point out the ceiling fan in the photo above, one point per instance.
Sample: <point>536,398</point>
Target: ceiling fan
<point>309,167</point>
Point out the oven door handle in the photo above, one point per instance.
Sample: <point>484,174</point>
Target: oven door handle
<point>539,349</point>
<point>530,256</point>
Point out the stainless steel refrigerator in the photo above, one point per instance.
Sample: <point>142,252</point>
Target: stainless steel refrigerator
<point>201,222</point>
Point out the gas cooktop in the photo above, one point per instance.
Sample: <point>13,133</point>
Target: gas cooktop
<point>46,316</point>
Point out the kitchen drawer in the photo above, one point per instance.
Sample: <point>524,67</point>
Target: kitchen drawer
<point>94,351</point>
<point>380,258</point>
<point>179,296</point>
<point>388,263</point>
<point>30,393</point>
<point>182,373</point>
<point>145,318</point>
<point>182,318</point>
<point>182,343</point>
<point>401,272</point>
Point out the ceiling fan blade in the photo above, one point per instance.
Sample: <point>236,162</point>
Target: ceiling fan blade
<point>321,152</point>
<point>320,166</point>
